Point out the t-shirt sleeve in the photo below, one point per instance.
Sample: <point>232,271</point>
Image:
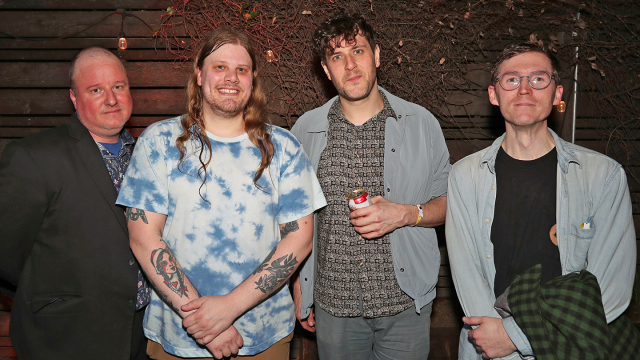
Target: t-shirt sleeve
<point>145,182</point>
<point>299,192</point>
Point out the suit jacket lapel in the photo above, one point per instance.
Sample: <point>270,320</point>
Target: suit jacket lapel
<point>92,159</point>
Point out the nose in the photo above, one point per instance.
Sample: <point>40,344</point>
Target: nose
<point>231,76</point>
<point>111,98</point>
<point>349,64</point>
<point>525,87</point>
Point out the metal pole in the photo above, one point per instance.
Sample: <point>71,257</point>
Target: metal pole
<point>575,94</point>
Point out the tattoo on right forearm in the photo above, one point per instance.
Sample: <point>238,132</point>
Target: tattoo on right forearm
<point>166,265</point>
<point>138,214</point>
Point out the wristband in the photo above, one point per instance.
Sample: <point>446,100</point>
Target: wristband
<point>420,214</point>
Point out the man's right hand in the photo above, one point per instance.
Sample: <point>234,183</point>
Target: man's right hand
<point>226,344</point>
<point>308,323</point>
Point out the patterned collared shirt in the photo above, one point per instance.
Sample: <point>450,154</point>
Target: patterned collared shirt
<point>355,276</point>
<point>117,165</point>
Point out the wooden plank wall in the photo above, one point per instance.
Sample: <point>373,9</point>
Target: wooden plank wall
<point>38,38</point>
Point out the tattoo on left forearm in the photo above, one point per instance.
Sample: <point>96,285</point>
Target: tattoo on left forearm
<point>279,271</point>
<point>288,228</point>
<point>265,262</point>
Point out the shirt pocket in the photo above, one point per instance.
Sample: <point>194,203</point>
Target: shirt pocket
<point>580,241</point>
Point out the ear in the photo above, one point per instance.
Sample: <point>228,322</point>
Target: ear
<point>376,53</point>
<point>73,98</point>
<point>558,96</point>
<point>199,77</point>
<point>326,70</point>
<point>493,96</point>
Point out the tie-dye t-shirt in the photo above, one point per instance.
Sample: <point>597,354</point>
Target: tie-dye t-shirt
<point>220,241</point>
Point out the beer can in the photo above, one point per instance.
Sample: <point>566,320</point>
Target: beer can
<point>358,199</point>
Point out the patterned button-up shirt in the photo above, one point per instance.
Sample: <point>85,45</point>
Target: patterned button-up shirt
<point>351,268</point>
<point>117,165</point>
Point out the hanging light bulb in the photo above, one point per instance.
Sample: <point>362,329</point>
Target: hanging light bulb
<point>270,56</point>
<point>122,41</point>
<point>562,107</point>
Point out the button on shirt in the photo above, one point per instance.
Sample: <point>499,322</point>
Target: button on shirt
<point>117,165</point>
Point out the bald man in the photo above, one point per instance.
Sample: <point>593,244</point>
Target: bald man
<point>65,246</point>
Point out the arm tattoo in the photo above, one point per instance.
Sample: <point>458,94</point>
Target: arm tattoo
<point>166,265</point>
<point>164,296</point>
<point>265,263</point>
<point>279,271</point>
<point>288,229</point>
<point>138,214</point>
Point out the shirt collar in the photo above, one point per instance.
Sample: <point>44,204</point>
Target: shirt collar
<point>565,153</point>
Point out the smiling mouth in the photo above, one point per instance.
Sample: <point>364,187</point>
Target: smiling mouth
<point>229,91</point>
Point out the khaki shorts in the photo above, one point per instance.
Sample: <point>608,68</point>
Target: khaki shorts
<point>277,351</point>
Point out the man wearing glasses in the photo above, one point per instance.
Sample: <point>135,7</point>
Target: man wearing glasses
<point>532,198</point>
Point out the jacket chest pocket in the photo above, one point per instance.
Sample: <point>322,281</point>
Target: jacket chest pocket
<point>579,243</point>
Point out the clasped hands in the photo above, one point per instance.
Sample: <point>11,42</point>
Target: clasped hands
<point>382,217</point>
<point>209,322</point>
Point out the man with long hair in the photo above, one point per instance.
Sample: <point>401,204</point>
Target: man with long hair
<point>534,201</point>
<point>377,266</point>
<point>227,201</point>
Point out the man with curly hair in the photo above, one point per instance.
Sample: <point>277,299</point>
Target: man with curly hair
<point>367,290</point>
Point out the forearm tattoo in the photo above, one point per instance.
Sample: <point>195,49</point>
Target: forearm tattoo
<point>135,214</point>
<point>164,296</point>
<point>166,265</point>
<point>279,271</point>
<point>288,228</point>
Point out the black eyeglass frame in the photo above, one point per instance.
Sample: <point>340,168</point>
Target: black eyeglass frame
<point>551,77</point>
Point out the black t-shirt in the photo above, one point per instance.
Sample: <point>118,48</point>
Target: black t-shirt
<point>525,213</point>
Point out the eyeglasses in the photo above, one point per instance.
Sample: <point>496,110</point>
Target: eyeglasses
<point>538,80</point>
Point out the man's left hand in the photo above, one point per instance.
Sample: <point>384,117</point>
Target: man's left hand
<point>382,217</point>
<point>490,337</point>
<point>213,315</point>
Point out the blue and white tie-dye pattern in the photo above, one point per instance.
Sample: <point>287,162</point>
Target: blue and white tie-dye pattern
<point>220,241</point>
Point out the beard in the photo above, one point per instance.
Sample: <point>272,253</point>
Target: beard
<point>227,108</point>
<point>357,94</point>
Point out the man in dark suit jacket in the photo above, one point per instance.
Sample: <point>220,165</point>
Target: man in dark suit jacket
<point>64,242</point>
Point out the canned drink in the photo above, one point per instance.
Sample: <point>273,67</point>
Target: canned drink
<point>358,199</point>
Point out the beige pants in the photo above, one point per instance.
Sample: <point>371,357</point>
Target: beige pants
<point>277,351</point>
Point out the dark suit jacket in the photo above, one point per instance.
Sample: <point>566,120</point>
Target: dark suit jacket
<point>64,243</point>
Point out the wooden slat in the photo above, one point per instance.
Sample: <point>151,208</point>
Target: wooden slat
<point>55,24</point>
<point>39,55</point>
<point>110,42</point>
<point>56,101</point>
<point>56,74</point>
<point>4,323</point>
<point>84,4</point>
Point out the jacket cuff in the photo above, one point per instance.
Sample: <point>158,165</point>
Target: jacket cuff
<point>517,336</point>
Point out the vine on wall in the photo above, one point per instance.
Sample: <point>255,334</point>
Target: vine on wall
<point>430,48</point>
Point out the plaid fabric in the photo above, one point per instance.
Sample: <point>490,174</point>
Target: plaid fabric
<point>564,318</point>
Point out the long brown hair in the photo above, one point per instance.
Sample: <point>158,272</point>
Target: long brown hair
<point>254,113</point>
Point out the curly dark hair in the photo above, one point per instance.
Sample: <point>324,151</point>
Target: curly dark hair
<point>345,27</point>
<point>513,50</point>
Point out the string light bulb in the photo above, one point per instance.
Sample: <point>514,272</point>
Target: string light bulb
<point>562,107</point>
<point>122,41</point>
<point>270,56</point>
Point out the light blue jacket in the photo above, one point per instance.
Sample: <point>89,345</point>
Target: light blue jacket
<point>416,168</point>
<point>592,188</point>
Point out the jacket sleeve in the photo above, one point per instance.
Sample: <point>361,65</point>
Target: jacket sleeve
<point>23,203</point>
<point>465,251</point>
<point>612,252</point>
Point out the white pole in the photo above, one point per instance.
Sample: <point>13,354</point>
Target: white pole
<point>575,93</point>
